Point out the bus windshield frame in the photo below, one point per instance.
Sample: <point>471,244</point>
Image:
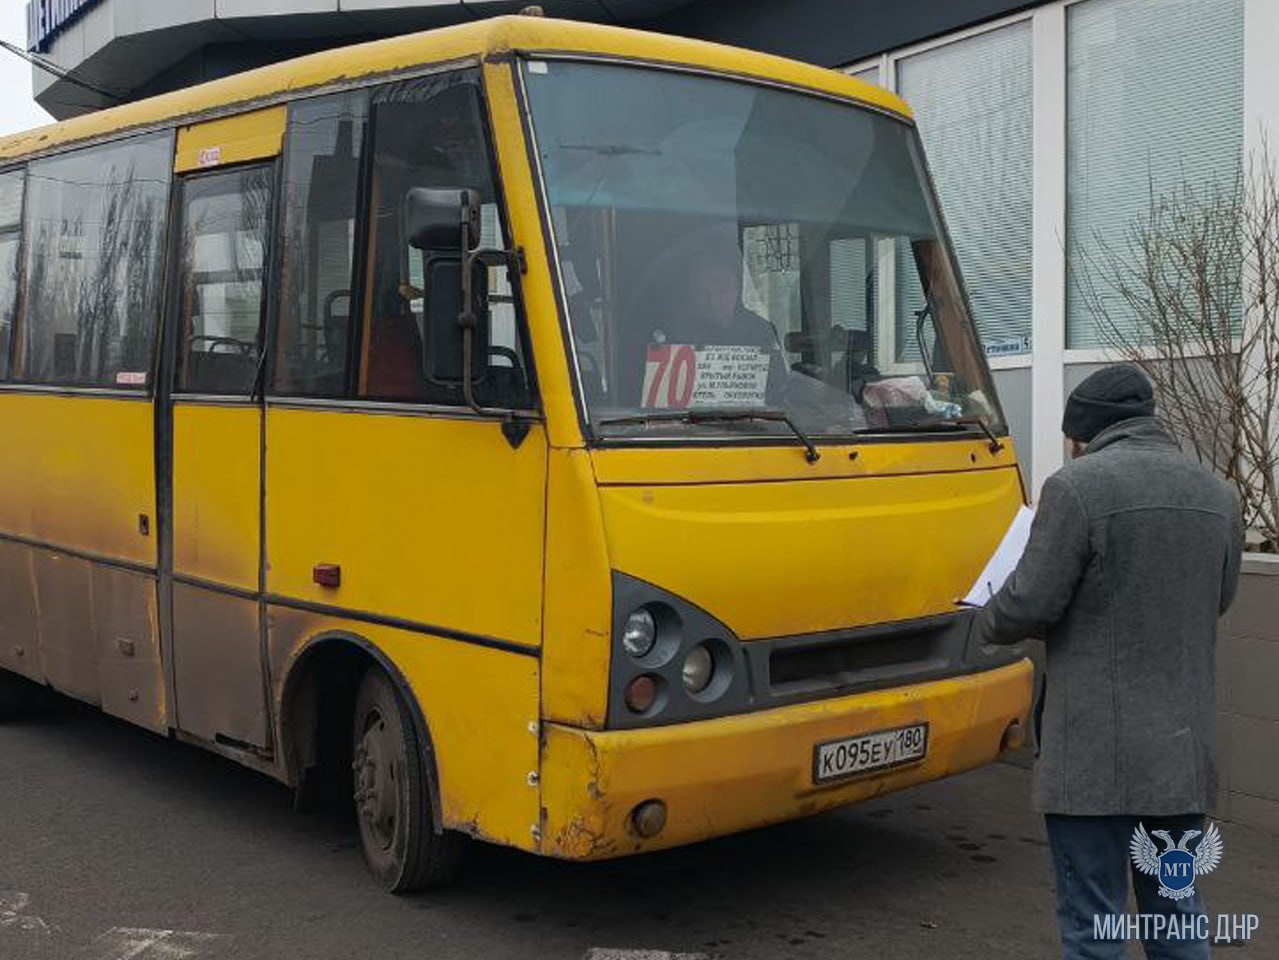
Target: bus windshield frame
<point>717,206</point>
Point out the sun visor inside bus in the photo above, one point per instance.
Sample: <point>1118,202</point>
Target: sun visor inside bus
<point>258,135</point>
<point>433,147</point>
<point>612,138</point>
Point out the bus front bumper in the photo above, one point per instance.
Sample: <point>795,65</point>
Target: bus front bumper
<point>734,773</point>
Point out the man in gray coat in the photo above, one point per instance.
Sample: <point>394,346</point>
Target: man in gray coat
<point>1133,555</point>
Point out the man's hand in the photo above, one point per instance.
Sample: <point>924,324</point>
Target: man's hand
<point>1037,593</point>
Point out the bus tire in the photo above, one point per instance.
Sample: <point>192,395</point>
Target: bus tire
<point>18,696</point>
<point>402,847</point>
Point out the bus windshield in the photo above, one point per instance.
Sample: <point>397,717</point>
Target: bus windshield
<point>733,248</point>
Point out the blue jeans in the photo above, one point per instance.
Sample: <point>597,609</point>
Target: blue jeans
<point>1092,862</point>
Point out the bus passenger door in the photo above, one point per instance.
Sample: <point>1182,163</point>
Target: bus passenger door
<point>216,342</point>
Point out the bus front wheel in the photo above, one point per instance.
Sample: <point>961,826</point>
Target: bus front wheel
<point>402,848</point>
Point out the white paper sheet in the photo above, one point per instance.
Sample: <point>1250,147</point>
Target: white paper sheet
<point>681,375</point>
<point>1004,561</point>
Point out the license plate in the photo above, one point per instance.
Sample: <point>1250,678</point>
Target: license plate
<point>837,759</point>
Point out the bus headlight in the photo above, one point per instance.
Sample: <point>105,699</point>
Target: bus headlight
<point>640,633</point>
<point>670,661</point>
<point>699,669</point>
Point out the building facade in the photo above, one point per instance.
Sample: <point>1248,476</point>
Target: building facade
<point>1049,126</point>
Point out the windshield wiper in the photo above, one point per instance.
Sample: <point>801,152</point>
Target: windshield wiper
<point>932,426</point>
<point>717,416</point>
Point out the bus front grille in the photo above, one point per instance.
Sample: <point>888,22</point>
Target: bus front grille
<point>876,657</point>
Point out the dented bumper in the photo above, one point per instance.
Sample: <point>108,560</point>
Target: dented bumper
<point>735,773</point>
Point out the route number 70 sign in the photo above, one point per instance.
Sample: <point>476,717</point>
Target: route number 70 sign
<point>680,375</point>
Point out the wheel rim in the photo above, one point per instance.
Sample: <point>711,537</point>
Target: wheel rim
<point>377,780</point>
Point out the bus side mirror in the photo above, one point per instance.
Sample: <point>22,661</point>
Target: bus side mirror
<point>443,221</point>
<point>445,226</point>
<point>447,343</point>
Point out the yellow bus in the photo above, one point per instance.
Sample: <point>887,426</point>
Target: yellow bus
<point>562,436</point>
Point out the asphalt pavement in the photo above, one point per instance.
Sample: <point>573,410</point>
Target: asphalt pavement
<point>119,845</point>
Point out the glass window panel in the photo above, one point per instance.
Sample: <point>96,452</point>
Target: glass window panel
<point>1141,122</point>
<point>9,244</point>
<point>717,242</point>
<point>429,133</point>
<point>772,275</point>
<point>95,224</point>
<point>322,169</point>
<point>11,185</point>
<point>852,283</point>
<point>505,326</point>
<point>972,102</point>
<point>223,252</point>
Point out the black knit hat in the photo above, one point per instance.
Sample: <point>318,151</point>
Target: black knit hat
<point>1114,393</point>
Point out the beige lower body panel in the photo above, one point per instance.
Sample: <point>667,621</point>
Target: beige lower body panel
<point>130,673</point>
<point>64,616</point>
<point>90,630</point>
<point>19,632</point>
<point>217,667</point>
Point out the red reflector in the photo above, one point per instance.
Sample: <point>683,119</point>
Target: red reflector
<point>640,694</point>
<point>327,574</point>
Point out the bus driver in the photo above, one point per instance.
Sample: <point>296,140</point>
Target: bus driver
<point>707,311</point>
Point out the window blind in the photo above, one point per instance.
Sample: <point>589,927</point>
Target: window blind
<point>1154,94</point>
<point>972,102</point>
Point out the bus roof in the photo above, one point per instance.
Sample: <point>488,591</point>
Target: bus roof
<point>480,40</point>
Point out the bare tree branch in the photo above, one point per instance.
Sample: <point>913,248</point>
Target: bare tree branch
<point>1191,296</point>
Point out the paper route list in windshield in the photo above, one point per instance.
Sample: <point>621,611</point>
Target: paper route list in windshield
<point>680,375</point>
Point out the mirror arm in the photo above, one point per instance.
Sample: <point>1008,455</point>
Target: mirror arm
<point>466,320</point>
<point>515,423</point>
<point>468,387</point>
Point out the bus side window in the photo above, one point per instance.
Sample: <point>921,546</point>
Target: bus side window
<point>429,133</point>
<point>223,268</point>
<point>94,234</point>
<point>11,184</point>
<point>322,172</point>
<point>507,386</point>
